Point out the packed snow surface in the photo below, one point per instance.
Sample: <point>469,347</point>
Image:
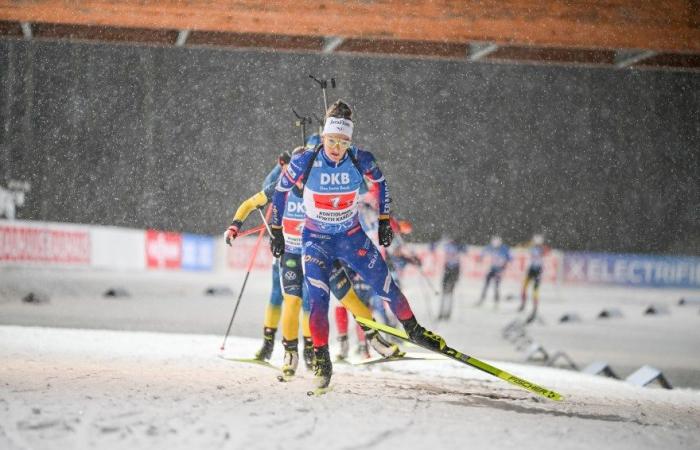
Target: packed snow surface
<point>68,382</point>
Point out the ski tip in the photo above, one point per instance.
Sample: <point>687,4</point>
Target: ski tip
<point>318,392</point>
<point>557,397</point>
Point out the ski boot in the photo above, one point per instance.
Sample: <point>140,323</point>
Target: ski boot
<point>421,336</point>
<point>265,352</point>
<point>363,350</point>
<point>308,353</point>
<point>344,347</point>
<point>381,345</point>
<point>523,300</point>
<point>532,316</point>
<point>291,357</point>
<point>324,368</point>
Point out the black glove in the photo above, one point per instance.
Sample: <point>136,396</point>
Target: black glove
<point>232,231</point>
<point>277,242</point>
<point>386,234</point>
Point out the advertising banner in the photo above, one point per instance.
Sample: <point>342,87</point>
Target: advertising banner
<point>197,252</point>
<point>238,255</point>
<point>163,250</point>
<point>45,244</point>
<point>632,270</point>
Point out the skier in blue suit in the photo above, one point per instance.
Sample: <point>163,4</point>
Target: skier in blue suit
<point>499,255</point>
<point>329,179</point>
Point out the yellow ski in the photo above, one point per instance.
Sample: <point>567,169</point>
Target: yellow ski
<point>469,360</point>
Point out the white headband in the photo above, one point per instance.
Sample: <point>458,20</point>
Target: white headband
<point>336,125</point>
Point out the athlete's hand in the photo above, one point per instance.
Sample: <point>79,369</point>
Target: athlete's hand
<point>277,242</point>
<point>386,235</point>
<point>232,231</point>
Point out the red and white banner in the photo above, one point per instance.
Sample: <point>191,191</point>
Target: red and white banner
<point>238,255</point>
<point>46,245</point>
<point>163,250</point>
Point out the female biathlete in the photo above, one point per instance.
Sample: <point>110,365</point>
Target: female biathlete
<point>328,179</point>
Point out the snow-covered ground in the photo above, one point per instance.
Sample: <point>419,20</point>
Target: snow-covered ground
<point>83,371</point>
<point>65,388</point>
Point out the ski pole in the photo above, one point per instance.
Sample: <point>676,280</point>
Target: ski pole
<point>427,280</point>
<point>267,226</point>
<point>251,231</point>
<point>245,281</point>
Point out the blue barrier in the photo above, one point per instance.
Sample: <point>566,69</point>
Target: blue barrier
<point>197,252</point>
<point>632,270</point>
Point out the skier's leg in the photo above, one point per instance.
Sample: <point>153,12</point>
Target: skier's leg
<point>497,288</point>
<point>450,288</point>
<point>535,296</point>
<point>341,323</point>
<point>372,268</point>
<point>487,281</point>
<point>342,288</point>
<point>316,275</point>
<point>292,278</point>
<point>362,348</point>
<point>317,258</point>
<point>305,329</point>
<point>523,292</point>
<point>445,286</point>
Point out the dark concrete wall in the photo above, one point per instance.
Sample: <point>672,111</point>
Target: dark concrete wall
<point>175,138</point>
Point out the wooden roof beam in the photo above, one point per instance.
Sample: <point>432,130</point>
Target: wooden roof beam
<point>668,26</point>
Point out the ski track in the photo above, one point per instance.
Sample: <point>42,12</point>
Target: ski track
<point>99,389</point>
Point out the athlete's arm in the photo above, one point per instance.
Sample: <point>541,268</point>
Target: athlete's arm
<point>258,200</point>
<point>372,173</point>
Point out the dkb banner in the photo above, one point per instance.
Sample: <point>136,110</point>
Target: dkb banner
<point>632,270</point>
